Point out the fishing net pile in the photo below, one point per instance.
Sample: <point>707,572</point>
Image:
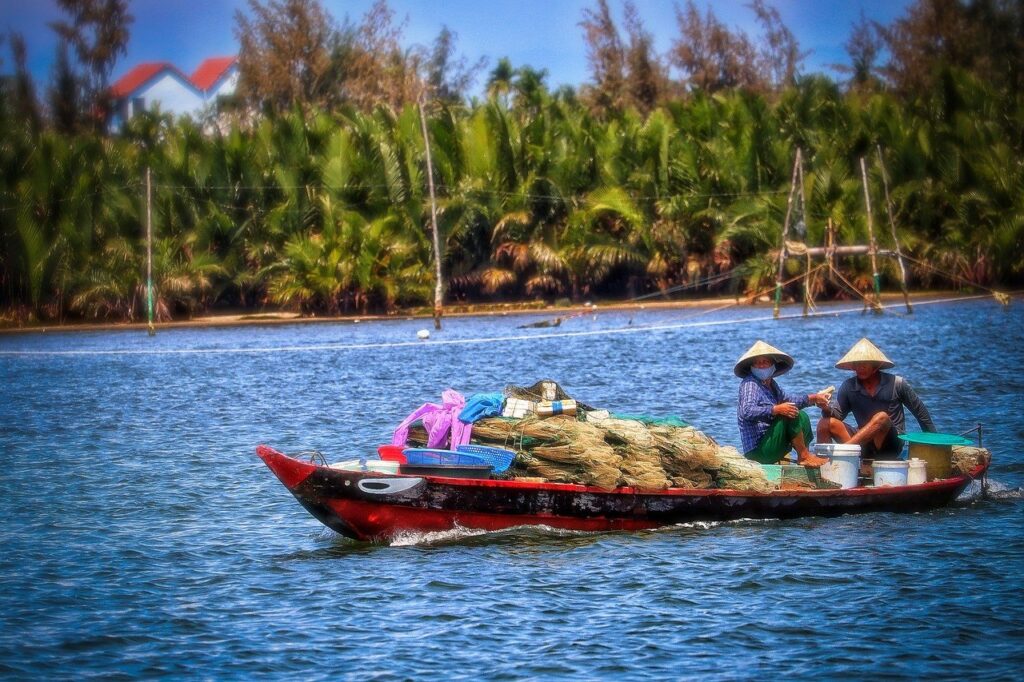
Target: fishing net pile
<point>613,452</point>
<point>595,448</point>
<point>966,457</point>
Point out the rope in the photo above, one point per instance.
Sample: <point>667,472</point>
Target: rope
<point>796,248</point>
<point>713,279</point>
<point>1000,296</point>
<point>855,290</point>
<point>733,304</point>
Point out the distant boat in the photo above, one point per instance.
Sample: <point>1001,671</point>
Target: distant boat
<point>542,324</point>
<point>370,505</point>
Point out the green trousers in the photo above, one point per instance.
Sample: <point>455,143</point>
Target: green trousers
<point>778,441</point>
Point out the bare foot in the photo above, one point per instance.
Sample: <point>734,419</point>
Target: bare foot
<point>812,461</point>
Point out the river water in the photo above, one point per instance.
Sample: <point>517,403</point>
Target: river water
<point>142,537</point>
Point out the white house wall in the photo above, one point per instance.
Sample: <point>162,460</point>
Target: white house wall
<point>168,94</point>
<point>225,86</point>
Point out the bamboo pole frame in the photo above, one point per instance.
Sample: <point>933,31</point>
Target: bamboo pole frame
<point>892,227</point>
<point>831,249</point>
<point>872,244</point>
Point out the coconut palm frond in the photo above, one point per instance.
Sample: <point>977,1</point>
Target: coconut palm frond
<point>615,201</point>
<point>548,259</point>
<point>512,223</point>
<point>496,279</point>
<point>544,284</point>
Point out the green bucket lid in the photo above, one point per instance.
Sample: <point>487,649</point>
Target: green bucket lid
<point>925,438</point>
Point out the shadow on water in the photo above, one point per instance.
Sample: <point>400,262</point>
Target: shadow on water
<point>539,538</point>
<point>518,539</point>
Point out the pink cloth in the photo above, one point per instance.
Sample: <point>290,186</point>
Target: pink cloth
<point>439,421</point>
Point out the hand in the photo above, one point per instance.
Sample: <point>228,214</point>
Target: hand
<point>819,399</point>
<point>787,410</point>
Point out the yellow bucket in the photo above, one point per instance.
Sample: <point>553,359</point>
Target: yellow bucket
<point>938,459</point>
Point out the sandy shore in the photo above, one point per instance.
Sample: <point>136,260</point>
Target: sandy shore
<point>256,318</point>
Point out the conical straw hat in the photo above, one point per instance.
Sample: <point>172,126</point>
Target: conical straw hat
<point>864,351</point>
<point>783,362</point>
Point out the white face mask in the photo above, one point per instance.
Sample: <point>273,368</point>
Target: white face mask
<point>763,373</point>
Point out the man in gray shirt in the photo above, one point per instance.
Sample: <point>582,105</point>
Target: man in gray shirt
<point>876,400</point>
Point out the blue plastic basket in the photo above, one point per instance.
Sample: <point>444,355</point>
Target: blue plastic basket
<point>427,456</point>
<point>499,458</point>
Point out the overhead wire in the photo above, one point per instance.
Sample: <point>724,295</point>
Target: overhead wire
<point>190,190</point>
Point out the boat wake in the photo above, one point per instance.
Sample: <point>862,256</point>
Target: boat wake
<point>693,525</point>
<point>708,525</point>
<point>416,538</point>
<point>459,534</point>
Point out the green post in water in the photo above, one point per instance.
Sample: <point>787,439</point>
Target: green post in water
<point>778,298</point>
<point>149,306</point>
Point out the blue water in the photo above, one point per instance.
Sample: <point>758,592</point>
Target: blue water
<point>142,537</point>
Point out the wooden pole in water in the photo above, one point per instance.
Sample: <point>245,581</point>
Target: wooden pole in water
<point>807,270</point>
<point>872,245</point>
<point>149,251</point>
<point>830,247</point>
<point>892,226</point>
<point>438,286</point>
<point>785,234</point>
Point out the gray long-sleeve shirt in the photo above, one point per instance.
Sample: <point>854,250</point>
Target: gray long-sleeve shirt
<point>890,398</point>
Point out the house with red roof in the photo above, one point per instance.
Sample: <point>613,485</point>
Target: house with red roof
<point>162,86</point>
<point>216,77</point>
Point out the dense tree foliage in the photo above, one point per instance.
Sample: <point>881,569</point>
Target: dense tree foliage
<point>98,30</point>
<point>285,54</point>
<point>985,37</point>
<point>322,207</point>
<point>293,53</point>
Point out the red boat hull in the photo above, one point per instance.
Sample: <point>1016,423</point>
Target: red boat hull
<point>373,506</point>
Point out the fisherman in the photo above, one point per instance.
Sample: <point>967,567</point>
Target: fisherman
<point>877,400</point>
<point>771,421</point>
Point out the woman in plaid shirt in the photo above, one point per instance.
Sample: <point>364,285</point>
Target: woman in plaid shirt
<point>770,420</point>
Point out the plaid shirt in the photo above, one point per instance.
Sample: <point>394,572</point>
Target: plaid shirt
<point>754,413</point>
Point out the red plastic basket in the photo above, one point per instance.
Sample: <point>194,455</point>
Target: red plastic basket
<point>392,453</point>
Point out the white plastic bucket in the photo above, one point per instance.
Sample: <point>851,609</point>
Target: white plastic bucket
<point>917,472</point>
<point>890,472</point>
<point>843,463</point>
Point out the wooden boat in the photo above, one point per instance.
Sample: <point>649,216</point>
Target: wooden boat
<point>374,506</point>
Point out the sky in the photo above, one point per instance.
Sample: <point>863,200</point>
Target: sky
<point>543,34</point>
